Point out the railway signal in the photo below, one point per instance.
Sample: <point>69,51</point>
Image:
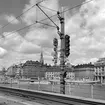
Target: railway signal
<point>67,45</point>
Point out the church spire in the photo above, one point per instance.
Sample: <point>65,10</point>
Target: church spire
<point>41,58</point>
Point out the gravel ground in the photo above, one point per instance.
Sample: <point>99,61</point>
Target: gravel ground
<point>9,100</point>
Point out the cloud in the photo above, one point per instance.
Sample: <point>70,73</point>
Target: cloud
<point>70,3</point>
<point>15,42</point>
<point>3,52</point>
<point>12,19</point>
<point>85,27</point>
<point>30,16</point>
<point>16,57</point>
<point>72,24</point>
<point>41,37</point>
<point>11,40</point>
<point>80,61</point>
<point>15,49</point>
<point>84,60</point>
<point>35,39</point>
<point>94,13</point>
<point>29,48</point>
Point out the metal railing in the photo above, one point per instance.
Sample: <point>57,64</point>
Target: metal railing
<point>48,98</point>
<point>95,91</point>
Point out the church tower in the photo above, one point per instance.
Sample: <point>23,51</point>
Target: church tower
<point>41,58</point>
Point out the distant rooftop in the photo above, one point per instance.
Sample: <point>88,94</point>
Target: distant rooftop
<point>88,65</point>
<point>101,61</point>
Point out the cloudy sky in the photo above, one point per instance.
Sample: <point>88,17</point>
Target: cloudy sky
<point>84,24</point>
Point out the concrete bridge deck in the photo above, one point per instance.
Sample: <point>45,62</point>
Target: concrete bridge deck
<point>48,98</point>
<point>11,100</point>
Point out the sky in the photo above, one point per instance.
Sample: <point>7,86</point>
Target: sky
<point>85,26</point>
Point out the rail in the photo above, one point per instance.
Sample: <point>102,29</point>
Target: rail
<point>51,98</point>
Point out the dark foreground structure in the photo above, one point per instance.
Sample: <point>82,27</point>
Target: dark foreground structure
<point>50,98</point>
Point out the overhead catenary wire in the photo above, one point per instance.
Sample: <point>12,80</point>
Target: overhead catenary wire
<point>62,11</point>
<point>47,15</point>
<point>47,8</point>
<point>26,27</point>
<point>78,5</point>
<point>18,16</point>
<point>45,24</point>
<point>21,14</point>
<point>47,18</point>
<point>25,12</point>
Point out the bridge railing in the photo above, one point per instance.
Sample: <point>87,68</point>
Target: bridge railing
<point>49,98</point>
<point>82,90</point>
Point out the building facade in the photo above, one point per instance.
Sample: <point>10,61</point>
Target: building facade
<point>99,70</point>
<point>33,69</point>
<point>15,71</point>
<point>54,73</point>
<point>84,72</point>
<point>11,71</point>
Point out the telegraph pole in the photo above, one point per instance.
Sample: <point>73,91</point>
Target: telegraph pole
<point>62,54</point>
<point>62,50</point>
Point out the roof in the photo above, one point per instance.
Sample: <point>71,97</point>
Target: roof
<point>57,69</point>
<point>84,69</point>
<point>100,62</point>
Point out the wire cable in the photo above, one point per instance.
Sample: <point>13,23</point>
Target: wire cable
<point>20,15</point>
<point>48,18</point>
<point>48,8</point>
<point>78,5</point>
<point>46,15</point>
<point>45,24</point>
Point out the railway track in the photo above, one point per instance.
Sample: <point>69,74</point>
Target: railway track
<point>6,99</point>
<point>18,97</point>
<point>48,98</point>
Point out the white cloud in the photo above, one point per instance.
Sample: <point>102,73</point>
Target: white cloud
<point>93,60</point>
<point>30,16</point>
<point>3,52</point>
<point>15,42</point>
<point>72,24</point>
<point>79,61</point>
<point>10,40</point>
<point>31,45</point>
<point>17,48</point>
<point>88,21</point>
<point>41,37</point>
<point>84,60</point>
<point>29,48</point>
<point>86,28</point>
<point>94,13</point>
<point>12,19</point>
